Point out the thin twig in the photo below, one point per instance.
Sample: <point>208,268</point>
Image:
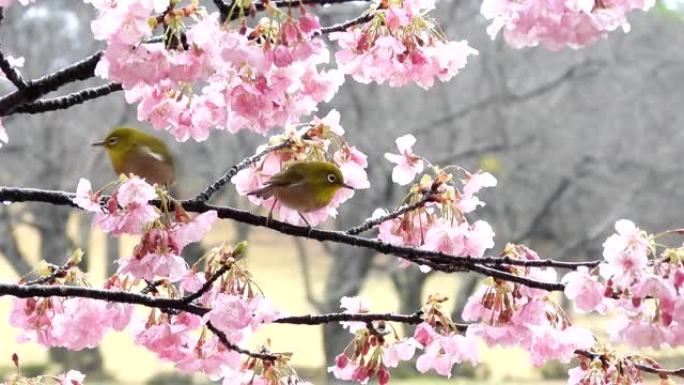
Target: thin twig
<point>228,175</point>
<point>224,340</point>
<point>341,27</point>
<point>372,222</point>
<point>207,285</point>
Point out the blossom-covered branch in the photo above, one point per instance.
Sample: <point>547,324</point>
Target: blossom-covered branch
<point>436,260</point>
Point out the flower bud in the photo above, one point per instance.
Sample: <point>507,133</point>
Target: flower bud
<point>341,360</point>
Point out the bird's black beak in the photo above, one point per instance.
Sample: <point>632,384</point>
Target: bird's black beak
<point>347,186</point>
<point>101,143</point>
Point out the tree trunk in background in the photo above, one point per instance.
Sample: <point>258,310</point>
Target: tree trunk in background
<point>9,247</point>
<point>113,252</point>
<point>409,285</point>
<point>84,231</point>
<point>468,285</point>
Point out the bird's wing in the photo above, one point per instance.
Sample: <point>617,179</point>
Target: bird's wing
<point>147,150</point>
<point>291,176</point>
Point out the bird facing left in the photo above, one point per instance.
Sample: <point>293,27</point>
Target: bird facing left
<point>133,151</point>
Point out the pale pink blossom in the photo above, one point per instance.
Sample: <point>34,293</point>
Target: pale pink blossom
<point>194,230</point>
<point>82,324</point>
<point>354,305</point>
<point>399,351</point>
<point>72,377</point>
<point>445,351</point>
<point>407,163</point>
<point>476,182</point>
<point>641,333</point>
<point>584,289</point>
<point>424,333</point>
<point>85,198</point>
<point>625,253</point>
<point>135,191</point>
<point>229,313</point>
<point>131,220</point>
<point>478,238</point>
<point>548,343</point>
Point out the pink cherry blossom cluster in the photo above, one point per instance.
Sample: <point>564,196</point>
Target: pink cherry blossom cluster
<point>236,308</point>
<point>73,323</point>
<point>400,45</point>
<point>371,354</point>
<point>128,212</point>
<point>558,24</point>
<point>647,291</point>
<point>320,139</point>
<point>440,224</point>
<point>205,75</point>
<point>510,314</point>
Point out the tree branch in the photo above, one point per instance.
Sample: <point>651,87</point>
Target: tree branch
<point>66,101</point>
<point>81,70</point>
<point>370,223</point>
<point>12,74</point>
<point>341,27</point>
<point>436,260</point>
<point>166,304</point>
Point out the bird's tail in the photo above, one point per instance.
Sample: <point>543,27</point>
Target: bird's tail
<point>265,192</point>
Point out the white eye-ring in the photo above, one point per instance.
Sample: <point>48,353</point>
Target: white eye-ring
<point>332,178</point>
<point>113,141</point>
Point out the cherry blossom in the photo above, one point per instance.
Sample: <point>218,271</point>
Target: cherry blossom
<point>354,305</point>
<point>556,25</point>
<point>585,290</point>
<point>407,163</point>
<point>245,82</point>
<point>625,253</point>
<point>74,323</point>
<point>400,45</point>
<point>72,377</point>
<point>85,198</point>
<point>512,315</point>
<point>443,352</point>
